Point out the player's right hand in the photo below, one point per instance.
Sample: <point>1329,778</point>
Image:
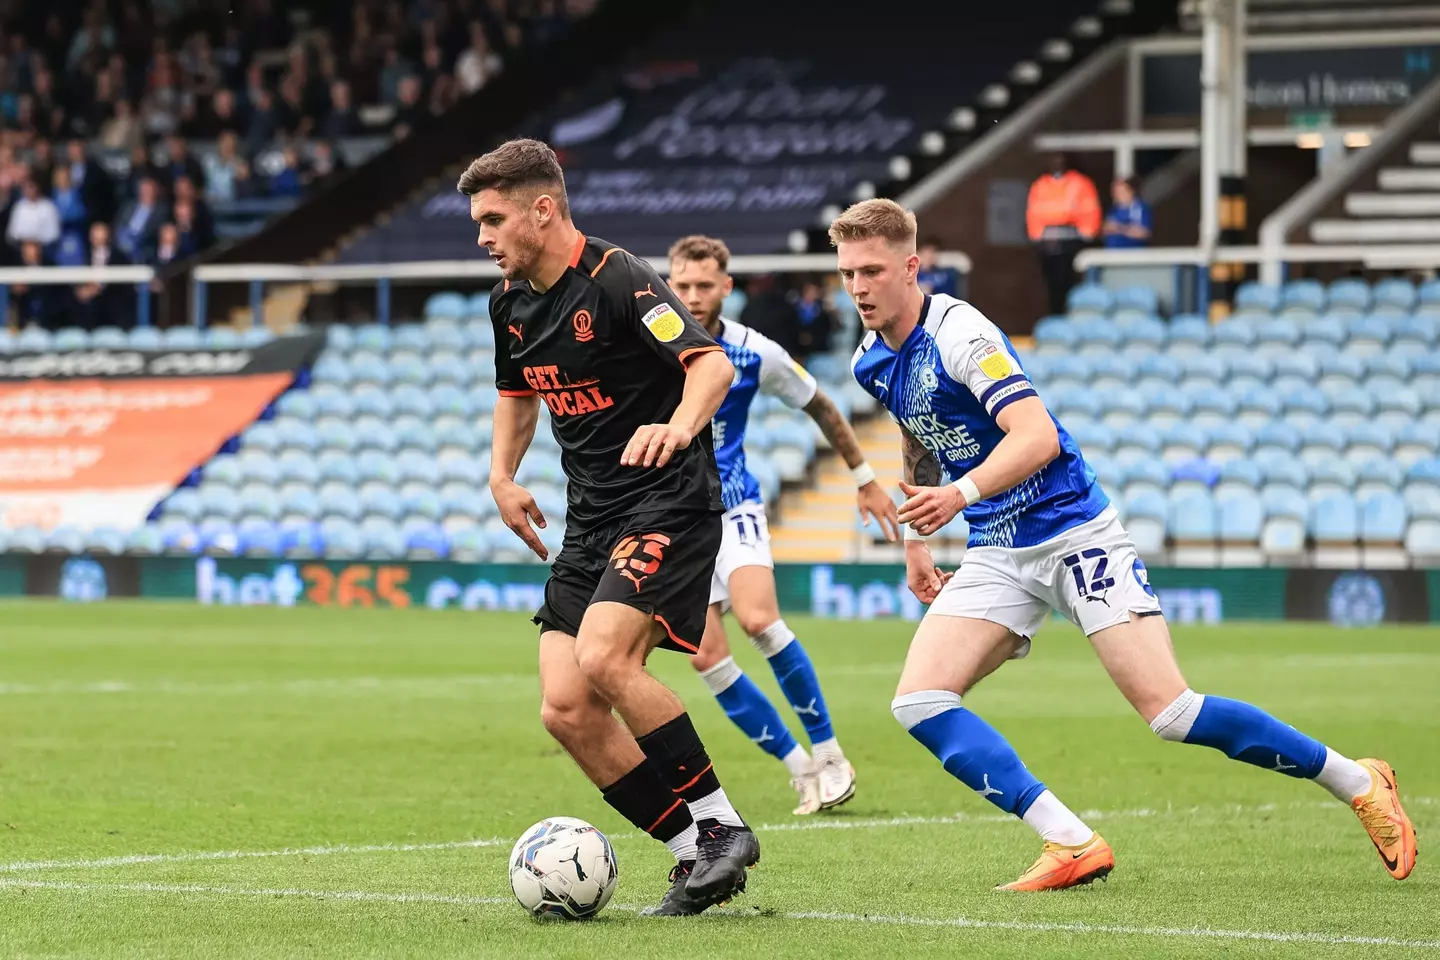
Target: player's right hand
<point>517,509</point>
<point>924,580</point>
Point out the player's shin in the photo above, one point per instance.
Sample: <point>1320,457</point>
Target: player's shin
<point>644,798</point>
<point>1249,734</point>
<point>796,676</point>
<point>976,754</point>
<point>750,710</point>
<point>677,753</point>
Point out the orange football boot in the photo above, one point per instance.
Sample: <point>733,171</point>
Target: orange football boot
<point>1384,819</point>
<point>1060,866</point>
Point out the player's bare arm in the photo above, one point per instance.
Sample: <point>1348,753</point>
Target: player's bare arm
<point>871,498</point>
<point>707,380</point>
<point>1030,442</point>
<point>919,468</point>
<point>515,419</point>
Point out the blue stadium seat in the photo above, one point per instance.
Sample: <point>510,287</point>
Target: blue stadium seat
<point>182,338</point>
<point>1090,298</point>
<point>1069,367</point>
<point>1367,334</point>
<point>1302,366</point>
<point>1056,334</point>
<point>1348,293</point>
<point>1367,441</point>
<point>1395,364</point>
<point>1284,501</point>
<point>1077,402</point>
<point>379,500</point>
<point>1278,330</point>
<point>179,536</point>
<point>378,465</point>
<point>372,337</point>
<point>1326,329</point>
<point>372,433</point>
<point>1423,502</point>
<point>259,500</point>
<point>1351,402</point>
<point>1239,474</point>
<point>1282,537</point>
<point>415,434</point>
<point>1378,473</point>
<point>1301,296</point>
<point>1256,296</point>
<point>469,545</point>
<point>1163,367</point>
<point>146,541</point>
<point>1240,517</point>
<point>1280,435</point>
<point>1238,331</point>
<point>1120,408</point>
<point>1321,441</point>
<point>1111,367</point>
<point>1422,542</point>
<point>418,466</point>
<point>1395,292</point>
<point>478,309</point>
<point>258,466</point>
<point>340,502</point>
<point>1211,404</point>
<point>1258,406</point>
<point>337,466</point>
<point>301,540</point>
<point>1341,368</point>
<point>1419,332</point>
<point>1283,471</point>
<point>1183,442</point>
<point>223,338</point>
<point>1191,518</point>
<point>1166,404</point>
<point>1142,329</point>
<point>408,338</point>
<point>257,538</point>
<point>1098,335</point>
<point>331,369</point>
<point>427,543</point>
<point>1425,472</point>
<point>482,399</point>
<point>1417,441</point>
<point>1140,442</point>
<point>446,305</point>
<point>1251,365</point>
<point>225,470</point>
<point>297,403</point>
<point>451,369</point>
<point>1188,332</point>
<point>421,500</point>
<point>217,537</point>
<point>342,540</point>
<point>332,400</point>
<point>109,338</point>
<point>1429,294</point>
<point>261,436</point>
<point>300,502</point>
<point>1307,400</point>
<point>1335,518</point>
<point>1191,475</point>
<point>146,338</point>
<point>1331,476</point>
<point>370,400</point>
<point>1229,441</point>
<point>463,470</point>
<point>369,367</point>
<point>1203,368</point>
<point>1092,436</point>
<point>1138,298</point>
<point>184,503</point>
<point>409,367</point>
<point>1109,474</point>
<point>462,499</point>
<point>340,337</point>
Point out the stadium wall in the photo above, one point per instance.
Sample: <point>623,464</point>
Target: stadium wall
<point>847,592</point>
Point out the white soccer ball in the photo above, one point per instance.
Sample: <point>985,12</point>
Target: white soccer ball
<point>563,868</point>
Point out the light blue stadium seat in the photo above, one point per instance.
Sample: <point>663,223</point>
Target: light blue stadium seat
<point>1165,404</point>
<point>1138,298</point>
<point>383,540</point>
<point>449,369</point>
<point>1258,406</point>
<point>373,338</point>
<point>1428,390</point>
<point>1237,331</point>
<point>109,338</point>
<point>463,499</point>
<point>1183,441</point>
<point>337,466</point>
<point>258,466</point>
<point>1191,518</point>
<point>1142,329</point>
<point>455,432</point>
<point>1284,501</point>
<point>1092,436</point>
<point>260,500</point>
<point>1056,332</point>
<point>416,434</point>
<point>1146,474</point>
<point>1335,518</point>
<point>1307,400</point>
<point>1257,296</point>
<point>1321,441</point>
<point>1423,502</point>
<point>1367,441</point>
<point>426,542</point>
<point>1326,329</point>
<point>478,308</point>
<point>1240,516</point>
<point>408,338</point>
<point>1296,365</point>
<point>1426,472</point>
<point>1351,402</point>
<point>1417,441</point>
<point>224,469</point>
<point>299,502</point>
<point>1120,408</point>
<point>1429,294</point>
<point>420,467</point>
<point>1416,333</point>
<point>1394,364</point>
<point>423,500</point>
<point>469,545</point>
<point>1140,442</point>
<point>480,335</point>
<point>261,436</point>
<point>182,338</point>
<point>341,540</point>
<point>1331,476</point>
<point>379,500</point>
<point>178,536</point>
<point>146,338</point>
<point>370,400</point>
<point>369,367</point>
<point>1229,441</point>
<point>1111,367</point>
<point>462,470</point>
<point>1162,367</point>
<point>217,537</point>
<point>259,539</point>
<point>1239,474</point>
<point>1346,368</point>
<point>1280,435</point>
<point>1204,368</point>
<point>1395,292</point>
<point>223,338</point>
<point>409,367</point>
<point>146,541</point>
<point>292,433</point>
<point>1075,403</point>
<point>1367,334</point>
<point>1278,330</point>
<point>1098,335</point>
<point>332,400</point>
<point>331,369</point>
<point>482,399</point>
<point>372,433</point>
<point>339,337</point>
<point>449,399</point>
<point>1190,475</point>
<point>299,404</point>
<point>1066,368</point>
<point>1378,473</point>
<point>301,539</point>
<point>1302,296</point>
<point>340,501</point>
<point>30,539</point>
<point>184,502</point>
<point>1283,470</point>
<point>378,465</point>
<point>1210,404</point>
<point>1109,474</point>
<point>1089,298</point>
<point>1394,396</point>
<point>1422,542</point>
<point>1188,332</point>
<point>1348,293</point>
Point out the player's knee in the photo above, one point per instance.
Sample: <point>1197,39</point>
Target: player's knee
<point>1174,721</point>
<point>768,633</point>
<point>709,657</point>
<point>603,665</point>
<point>568,719</point>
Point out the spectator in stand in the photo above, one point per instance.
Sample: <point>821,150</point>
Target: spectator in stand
<point>246,186</point>
<point>122,131</point>
<point>163,104</point>
<point>264,125</point>
<point>180,163</point>
<point>33,218</point>
<point>69,204</point>
<point>769,311</point>
<point>286,182</point>
<point>38,304</point>
<point>341,120</point>
<point>220,167</point>
<point>439,86</point>
<point>394,71</point>
<point>139,223</point>
<point>193,214</point>
<point>189,237</point>
<point>932,277</point>
<point>96,190</point>
<point>1129,222</point>
<point>168,248</point>
<point>213,117</point>
<point>49,114</point>
<point>408,108</point>
<point>42,164</point>
<point>1062,215</point>
<point>478,64</point>
<point>817,322</point>
<point>324,162</point>
<point>97,304</point>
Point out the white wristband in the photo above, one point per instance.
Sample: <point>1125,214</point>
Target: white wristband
<point>968,490</point>
<point>912,534</point>
<point>863,474</point>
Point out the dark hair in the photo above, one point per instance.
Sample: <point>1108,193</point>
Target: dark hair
<point>517,164</point>
<point>699,247</point>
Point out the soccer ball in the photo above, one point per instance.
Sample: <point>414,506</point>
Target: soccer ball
<point>563,868</point>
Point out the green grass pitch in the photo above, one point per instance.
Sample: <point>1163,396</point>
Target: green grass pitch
<point>188,782</point>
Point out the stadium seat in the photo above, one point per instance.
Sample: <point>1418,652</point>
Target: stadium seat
<point>257,538</point>
<point>1422,542</point>
<point>1237,331</point>
<point>103,540</point>
<point>408,338</point>
<point>1142,329</point>
<point>340,501</point>
<point>1089,298</point>
<point>1109,474</point>
<point>1166,405</point>
<point>1302,366</point>
<point>1240,519</point>
<point>1098,336</point>
<point>339,338</point>
<point>1366,442</point>
<point>1383,519</point>
<point>1422,502</point>
<point>1335,528</point>
<point>1348,293</point>
<point>1419,332</point>
<point>1238,476</point>
<point>259,500</point>
<point>427,543</point>
<point>1426,472</point>
<point>1188,333</point>
<point>299,502</point>
<point>1192,527</point>
<point>1211,405</point>
<point>1250,366</point>
<point>1092,436</point>
<point>1140,442</point>
<point>337,466</point>
<point>380,500</point>
<point>1229,441</point>
<point>1417,441</point>
<point>182,338</point>
<point>1301,297</point>
<point>1395,292</point>
<point>372,433</point>
<point>109,338</point>
<point>1324,330</point>
<point>1283,470</point>
<point>372,337</point>
<point>1055,335</point>
<point>1256,296</point>
<point>1381,473</point>
<point>1145,476</point>
<point>331,369</point>
<point>409,367</point>
<point>299,404</point>
<point>301,540</point>
<point>1193,476</point>
<point>185,503</point>
<point>445,305</point>
<point>1367,335</point>
<point>146,541</point>
<point>1121,408</point>
<point>342,541</point>
<point>223,338</point>
<point>1331,475</point>
<point>1259,406</point>
<point>178,536</point>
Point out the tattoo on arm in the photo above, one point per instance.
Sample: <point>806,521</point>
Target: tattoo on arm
<point>920,466</point>
<point>832,423</point>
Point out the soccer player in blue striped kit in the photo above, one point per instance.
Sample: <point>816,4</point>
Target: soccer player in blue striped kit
<point>1043,536</point>
<point>744,578</point>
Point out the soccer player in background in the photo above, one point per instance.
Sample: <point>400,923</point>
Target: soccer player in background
<point>744,571</point>
<point>632,381</point>
<point>1043,536</point>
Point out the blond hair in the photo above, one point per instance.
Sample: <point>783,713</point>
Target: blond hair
<point>698,247</point>
<point>881,218</point>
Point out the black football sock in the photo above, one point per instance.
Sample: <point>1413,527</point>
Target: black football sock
<point>643,798</point>
<point>675,750</point>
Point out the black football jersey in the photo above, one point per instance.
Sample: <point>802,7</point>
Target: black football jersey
<point>606,348</point>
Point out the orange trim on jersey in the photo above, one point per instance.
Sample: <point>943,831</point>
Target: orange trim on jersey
<point>674,639</point>
<point>507,287</point>
<point>694,351</point>
<point>517,393</point>
<point>692,783</point>
<point>579,249</point>
<point>673,807</point>
<point>601,264</point>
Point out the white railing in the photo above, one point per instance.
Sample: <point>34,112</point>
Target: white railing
<point>138,276</point>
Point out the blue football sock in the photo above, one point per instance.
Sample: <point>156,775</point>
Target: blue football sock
<point>796,675</point>
<point>749,708</point>
<point>1241,732</point>
<point>972,751</point>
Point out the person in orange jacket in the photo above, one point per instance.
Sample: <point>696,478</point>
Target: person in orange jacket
<point>1061,216</point>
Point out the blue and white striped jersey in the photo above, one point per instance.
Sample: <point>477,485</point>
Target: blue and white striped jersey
<point>945,386</point>
<point>760,364</point>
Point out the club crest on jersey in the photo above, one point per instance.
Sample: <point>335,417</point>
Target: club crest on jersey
<point>928,380</point>
<point>663,323</point>
<point>992,360</point>
<point>584,326</point>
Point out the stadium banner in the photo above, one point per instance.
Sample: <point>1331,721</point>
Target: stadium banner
<point>1317,79</point>
<point>92,438</point>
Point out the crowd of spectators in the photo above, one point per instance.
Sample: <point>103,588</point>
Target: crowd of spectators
<point>124,124</point>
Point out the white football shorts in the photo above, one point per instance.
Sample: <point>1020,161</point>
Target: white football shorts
<point>1090,573</point>
<point>745,542</point>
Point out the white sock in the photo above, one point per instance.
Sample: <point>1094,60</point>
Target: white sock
<point>826,749</point>
<point>683,843</point>
<point>1055,822</point>
<point>797,761</point>
<point>1343,777</point>
<point>715,806</point>
<point>722,676</point>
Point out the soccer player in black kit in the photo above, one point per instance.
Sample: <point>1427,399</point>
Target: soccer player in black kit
<point>632,381</point>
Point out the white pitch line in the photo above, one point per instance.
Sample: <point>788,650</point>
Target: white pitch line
<point>785,827</point>
<point>315,685</point>
<point>962,923</point>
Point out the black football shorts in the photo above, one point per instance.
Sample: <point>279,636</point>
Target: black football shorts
<point>658,564</point>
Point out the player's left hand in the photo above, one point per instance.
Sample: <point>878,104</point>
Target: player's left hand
<point>875,502</point>
<point>930,508</point>
<point>654,444</point>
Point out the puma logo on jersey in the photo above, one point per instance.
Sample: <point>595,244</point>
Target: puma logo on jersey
<point>989,791</point>
<point>515,330</point>
<point>765,736</point>
<point>647,292</point>
<point>809,709</point>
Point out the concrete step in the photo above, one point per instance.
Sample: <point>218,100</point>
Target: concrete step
<point>1409,178</point>
<point>1428,152</point>
<point>1376,231</point>
<point>1393,204</point>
